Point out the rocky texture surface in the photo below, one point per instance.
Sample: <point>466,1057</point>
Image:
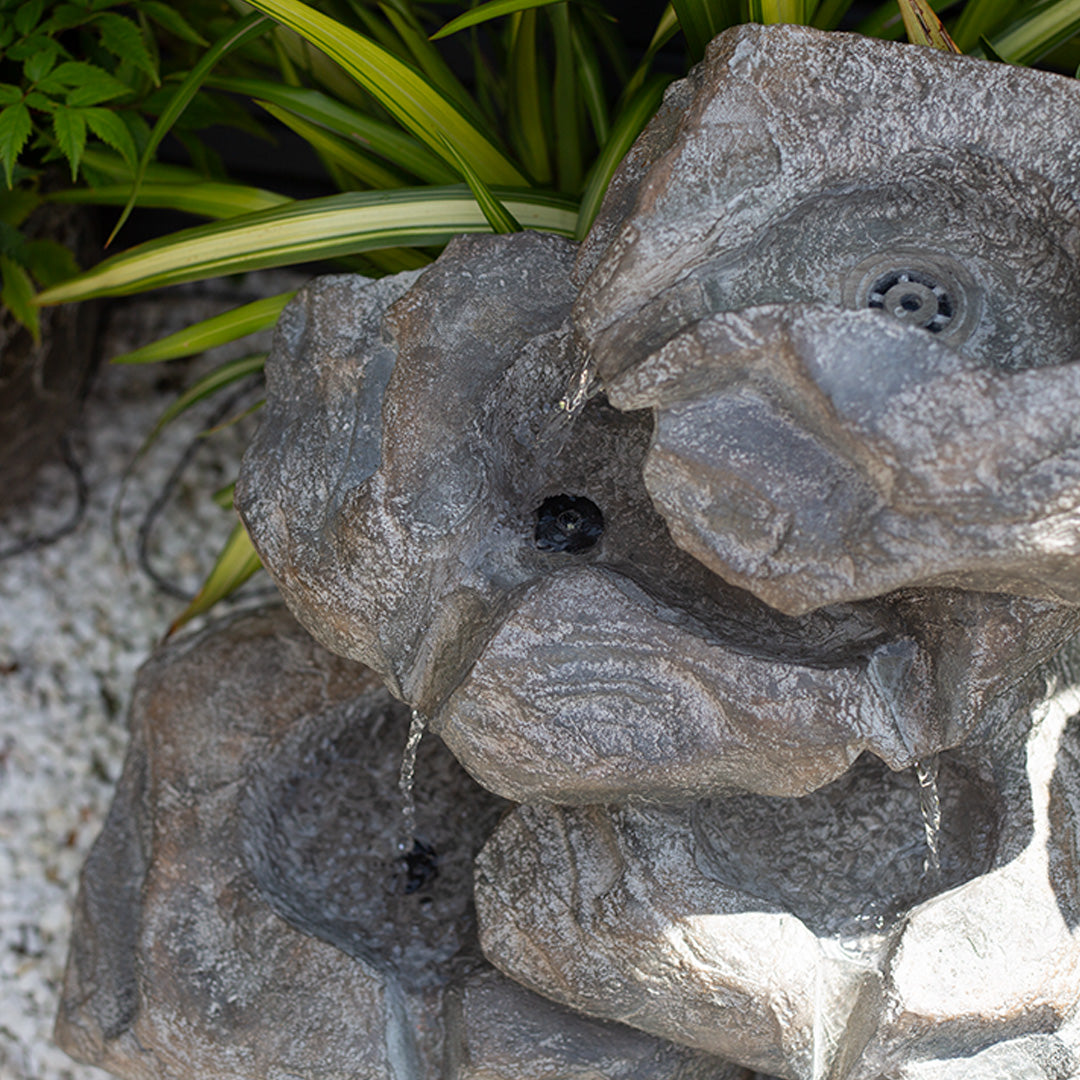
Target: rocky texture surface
<point>248,912</point>
<point>828,504</point>
<point>393,513</point>
<point>812,456</point>
<point>401,489</point>
<point>498,1030</point>
<point>803,937</point>
<point>807,451</point>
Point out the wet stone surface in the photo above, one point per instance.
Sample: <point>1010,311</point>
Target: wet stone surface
<point>848,859</point>
<point>254,907</point>
<point>324,836</point>
<point>806,937</point>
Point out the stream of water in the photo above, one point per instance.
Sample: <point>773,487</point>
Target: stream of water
<point>406,779</point>
<point>577,390</point>
<point>930,807</point>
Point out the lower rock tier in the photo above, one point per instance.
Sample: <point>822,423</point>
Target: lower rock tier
<point>889,926</point>
<point>253,908</point>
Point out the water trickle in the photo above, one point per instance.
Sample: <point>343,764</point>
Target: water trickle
<point>558,422</point>
<point>930,806</point>
<point>406,778</point>
<point>577,390</point>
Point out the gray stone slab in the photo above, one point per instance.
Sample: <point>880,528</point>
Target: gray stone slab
<point>498,1030</point>
<point>243,913</point>
<point>395,492</point>
<point>253,908</point>
<point>806,450</point>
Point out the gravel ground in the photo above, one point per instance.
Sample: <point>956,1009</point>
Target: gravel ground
<point>77,618</point>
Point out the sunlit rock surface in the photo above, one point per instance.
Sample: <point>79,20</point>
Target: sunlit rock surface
<point>247,912</point>
<point>806,937</point>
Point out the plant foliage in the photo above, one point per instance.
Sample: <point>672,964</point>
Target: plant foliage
<point>79,79</point>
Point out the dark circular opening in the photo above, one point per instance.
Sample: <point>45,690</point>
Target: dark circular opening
<point>905,293</point>
<point>568,523</point>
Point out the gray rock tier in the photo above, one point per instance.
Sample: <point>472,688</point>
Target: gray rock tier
<point>501,1031</point>
<point>809,451</point>
<point>804,937</point>
<point>397,492</point>
<point>247,912</point>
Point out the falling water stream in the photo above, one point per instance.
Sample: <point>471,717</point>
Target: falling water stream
<point>930,805</point>
<point>559,422</point>
<point>577,390</point>
<point>406,779</point>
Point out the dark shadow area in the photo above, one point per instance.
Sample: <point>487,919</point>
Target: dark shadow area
<point>324,836</point>
<point>1064,812</point>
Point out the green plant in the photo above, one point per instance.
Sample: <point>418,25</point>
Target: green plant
<point>77,78</point>
<point>421,152</point>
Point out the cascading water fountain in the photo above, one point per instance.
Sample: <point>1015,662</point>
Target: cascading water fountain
<point>730,545</point>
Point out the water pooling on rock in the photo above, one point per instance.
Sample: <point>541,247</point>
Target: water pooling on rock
<point>850,858</point>
<point>243,914</point>
<point>801,936</point>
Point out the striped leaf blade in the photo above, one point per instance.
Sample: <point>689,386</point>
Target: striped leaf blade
<point>210,383</point>
<point>209,333</point>
<point>498,217</point>
<point>567,133</point>
<point>431,61</point>
<point>779,11</point>
<point>887,21</point>
<point>307,230</point>
<point>243,31</point>
<point>420,107</point>
<point>1039,29</point>
<point>400,150</point>
<point>590,82</point>
<point>828,13</point>
<point>210,198</point>
<point>666,28</point>
<point>494,9</point>
<point>338,152</point>
<point>237,561</point>
<point>923,27</point>
<point>526,111</point>
<point>978,18</point>
<point>702,20</point>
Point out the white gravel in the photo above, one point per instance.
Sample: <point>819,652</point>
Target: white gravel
<point>77,618</point>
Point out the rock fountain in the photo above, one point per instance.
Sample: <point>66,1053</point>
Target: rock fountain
<point>770,634</point>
